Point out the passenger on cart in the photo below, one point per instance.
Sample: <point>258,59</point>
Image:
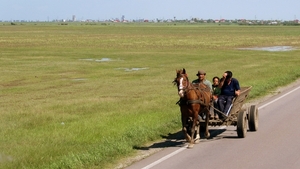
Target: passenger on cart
<point>215,93</point>
<point>230,88</point>
<point>201,79</point>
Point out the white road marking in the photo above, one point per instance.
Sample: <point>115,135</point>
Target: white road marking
<point>222,127</point>
<point>267,104</point>
<point>165,157</point>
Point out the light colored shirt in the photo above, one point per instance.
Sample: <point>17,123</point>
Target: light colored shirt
<point>206,82</point>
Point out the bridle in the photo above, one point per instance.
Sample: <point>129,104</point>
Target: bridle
<point>182,89</point>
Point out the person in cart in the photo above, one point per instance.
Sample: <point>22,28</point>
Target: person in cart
<point>230,88</point>
<point>201,79</point>
<point>215,93</point>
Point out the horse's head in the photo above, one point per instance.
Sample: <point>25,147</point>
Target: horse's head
<point>181,81</point>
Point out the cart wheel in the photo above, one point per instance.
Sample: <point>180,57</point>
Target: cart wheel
<point>242,124</point>
<point>253,118</point>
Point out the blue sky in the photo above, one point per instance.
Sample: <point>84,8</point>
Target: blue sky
<point>44,10</point>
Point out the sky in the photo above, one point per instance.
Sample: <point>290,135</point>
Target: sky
<point>48,10</point>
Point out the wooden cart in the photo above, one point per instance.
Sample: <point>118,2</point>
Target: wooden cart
<point>238,116</point>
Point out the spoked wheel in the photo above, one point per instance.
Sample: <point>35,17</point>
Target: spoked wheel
<point>253,118</point>
<point>242,124</point>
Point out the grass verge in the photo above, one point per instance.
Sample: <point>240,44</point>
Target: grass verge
<point>64,106</point>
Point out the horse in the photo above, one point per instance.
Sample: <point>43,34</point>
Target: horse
<point>195,99</point>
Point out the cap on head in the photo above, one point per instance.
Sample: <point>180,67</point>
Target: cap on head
<point>201,72</point>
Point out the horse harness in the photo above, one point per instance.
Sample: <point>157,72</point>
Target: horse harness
<point>202,93</point>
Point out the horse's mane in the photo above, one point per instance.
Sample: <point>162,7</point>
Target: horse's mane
<point>180,72</point>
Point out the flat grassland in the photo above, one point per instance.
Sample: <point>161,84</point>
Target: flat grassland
<point>84,96</point>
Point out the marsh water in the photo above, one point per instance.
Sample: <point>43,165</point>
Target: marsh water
<point>271,48</point>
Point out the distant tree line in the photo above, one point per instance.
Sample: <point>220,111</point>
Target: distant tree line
<point>185,21</point>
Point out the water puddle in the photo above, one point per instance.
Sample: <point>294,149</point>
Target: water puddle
<point>103,60</point>
<point>271,48</point>
<point>87,59</point>
<point>79,79</point>
<point>98,60</point>
<point>132,69</point>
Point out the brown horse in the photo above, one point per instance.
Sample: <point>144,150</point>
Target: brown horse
<point>194,99</point>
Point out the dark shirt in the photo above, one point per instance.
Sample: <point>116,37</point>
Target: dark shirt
<point>229,90</point>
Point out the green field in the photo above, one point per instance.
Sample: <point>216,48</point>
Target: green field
<point>85,96</point>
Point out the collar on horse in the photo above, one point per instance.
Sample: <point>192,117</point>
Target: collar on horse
<point>202,100</point>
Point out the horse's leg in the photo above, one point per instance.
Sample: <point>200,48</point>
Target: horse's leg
<point>197,139</point>
<point>184,130</point>
<point>196,119</point>
<point>207,134</point>
<point>192,142</point>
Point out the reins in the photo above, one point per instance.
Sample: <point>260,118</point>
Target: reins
<point>190,87</point>
<point>198,101</point>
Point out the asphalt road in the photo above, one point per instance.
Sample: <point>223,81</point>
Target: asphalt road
<point>274,145</point>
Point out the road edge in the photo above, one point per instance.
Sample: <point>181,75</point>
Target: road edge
<point>142,154</point>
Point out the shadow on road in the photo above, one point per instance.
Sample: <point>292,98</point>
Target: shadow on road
<point>171,140</point>
<point>177,139</point>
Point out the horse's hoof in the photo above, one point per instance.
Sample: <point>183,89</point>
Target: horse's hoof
<point>188,139</point>
<point>197,139</point>
<point>207,135</point>
<point>190,146</point>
